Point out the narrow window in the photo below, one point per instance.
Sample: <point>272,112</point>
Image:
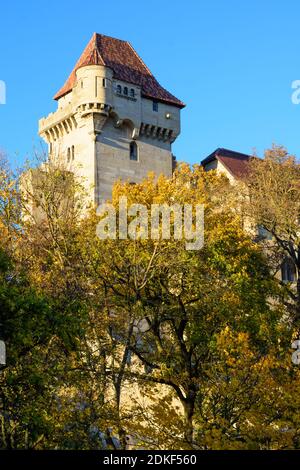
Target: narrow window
<point>125,91</point>
<point>288,271</point>
<point>133,151</point>
<point>73,152</point>
<point>132,92</point>
<point>104,82</point>
<point>69,154</point>
<point>50,148</point>
<point>119,89</point>
<point>155,106</point>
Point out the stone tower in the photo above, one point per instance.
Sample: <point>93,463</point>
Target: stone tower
<point>114,120</point>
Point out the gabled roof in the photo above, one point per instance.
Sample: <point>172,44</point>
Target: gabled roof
<point>235,162</point>
<point>126,65</point>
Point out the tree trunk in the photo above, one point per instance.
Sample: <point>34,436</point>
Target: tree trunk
<point>298,302</point>
<point>189,406</point>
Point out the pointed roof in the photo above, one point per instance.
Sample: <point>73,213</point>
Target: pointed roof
<point>235,162</point>
<point>126,64</point>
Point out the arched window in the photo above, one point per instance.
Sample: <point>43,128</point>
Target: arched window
<point>125,91</point>
<point>119,89</point>
<point>132,92</point>
<point>133,151</point>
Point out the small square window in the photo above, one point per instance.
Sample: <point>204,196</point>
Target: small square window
<point>155,106</point>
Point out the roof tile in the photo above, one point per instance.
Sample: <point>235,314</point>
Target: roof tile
<point>126,64</point>
<point>235,162</point>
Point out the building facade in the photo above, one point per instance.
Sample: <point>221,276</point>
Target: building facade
<point>235,166</point>
<point>114,120</point>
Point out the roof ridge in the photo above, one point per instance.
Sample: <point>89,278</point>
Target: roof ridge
<point>110,37</point>
<point>220,149</point>
<point>126,64</point>
<point>137,55</point>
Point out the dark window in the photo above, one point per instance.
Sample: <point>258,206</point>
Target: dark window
<point>288,271</point>
<point>73,152</point>
<point>263,233</point>
<point>155,106</point>
<point>119,89</point>
<point>69,154</point>
<point>104,82</point>
<point>125,91</point>
<point>132,93</point>
<point>133,151</point>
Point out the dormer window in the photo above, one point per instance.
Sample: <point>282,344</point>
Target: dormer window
<point>119,89</point>
<point>155,106</point>
<point>132,93</point>
<point>133,148</point>
<point>125,91</point>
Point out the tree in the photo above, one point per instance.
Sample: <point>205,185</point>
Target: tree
<point>45,313</point>
<point>181,349</point>
<point>186,297</point>
<point>273,203</point>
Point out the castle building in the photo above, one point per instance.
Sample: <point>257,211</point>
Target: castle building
<point>235,166</point>
<point>114,120</point>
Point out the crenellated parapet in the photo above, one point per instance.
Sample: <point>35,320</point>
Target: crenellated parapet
<point>55,129</point>
<point>158,132</point>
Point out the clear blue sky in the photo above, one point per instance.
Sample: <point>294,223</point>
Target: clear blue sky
<point>231,61</point>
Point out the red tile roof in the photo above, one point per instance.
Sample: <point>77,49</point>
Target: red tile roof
<point>235,162</point>
<point>126,65</point>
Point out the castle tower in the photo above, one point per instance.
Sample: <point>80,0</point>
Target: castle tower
<point>114,120</point>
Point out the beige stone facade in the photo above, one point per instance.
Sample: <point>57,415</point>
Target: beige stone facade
<point>107,129</point>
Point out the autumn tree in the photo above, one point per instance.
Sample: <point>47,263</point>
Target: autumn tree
<point>46,317</point>
<point>181,349</point>
<point>273,203</point>
<point>170,304</point>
